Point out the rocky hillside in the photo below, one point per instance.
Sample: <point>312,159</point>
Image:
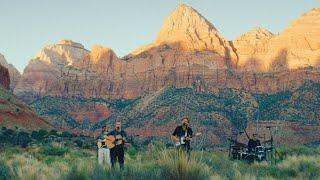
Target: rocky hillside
<point>15,113</point>
<point>4,78</point>
<point>222,114</point>
<point>13,72</point>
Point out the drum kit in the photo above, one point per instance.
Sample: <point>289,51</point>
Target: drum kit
<point>239,151</point>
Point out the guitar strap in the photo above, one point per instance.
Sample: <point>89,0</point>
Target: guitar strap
<point>186,133</point>
<point>117,135</point>
<point>182,139</point>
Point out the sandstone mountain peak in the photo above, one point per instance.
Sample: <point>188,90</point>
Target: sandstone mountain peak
<point>71,43</point>
<point>308,21</point>
<point>257,33</point>
<point>185,24</point>
<point>99,52</point>
<point>48,65</point>
<point>185,28</point>
<point>299,41</point>
<point>296,47</point>
<point>14,73</point>
<point>66,52</point>
<point>98,47</point>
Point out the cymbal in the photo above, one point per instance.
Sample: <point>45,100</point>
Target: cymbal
<point>268,141</point>
<point>232,140</point>
<point>241,144</point>
<point>237,143</point>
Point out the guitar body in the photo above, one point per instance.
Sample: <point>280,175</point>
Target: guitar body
<point>101,143</point>
<point>109,142</point>
<point>112,141</point>
<point>182,140</point>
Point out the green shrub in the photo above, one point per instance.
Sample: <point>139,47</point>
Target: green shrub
<point>281,173</point>
<point>219,163</point>
<point>76,174</point>
<point>5,172</point>
<point>99,172</point>
<point>132,151</point>
<point>39,135</point>
<point>177,165</point>
<point>284,152</point>
<point>53,132</point>
<point>310,169</point>
<point>66,134</point>
<point>23,139</point>
<point>54,149</point>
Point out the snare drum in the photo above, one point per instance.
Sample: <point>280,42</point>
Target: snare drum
<point>260,153</point>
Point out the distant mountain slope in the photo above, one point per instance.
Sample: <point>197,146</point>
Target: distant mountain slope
<point>15,113</point>
<point>221,114</point>
<point>4,77</point>
<point>224,113</point>
<point>79,113</point>
<point>13,72</point>
<point>303,105</point>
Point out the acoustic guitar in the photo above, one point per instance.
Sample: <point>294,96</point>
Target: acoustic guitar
<point>112,141</point>
<point>101,143</point>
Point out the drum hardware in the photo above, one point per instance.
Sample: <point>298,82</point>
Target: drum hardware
<point>238,150</point>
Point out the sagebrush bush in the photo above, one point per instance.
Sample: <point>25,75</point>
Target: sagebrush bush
<point>5,172</point>
<point>54,149</point>
<point>76,174</point>
<point>178,165</point>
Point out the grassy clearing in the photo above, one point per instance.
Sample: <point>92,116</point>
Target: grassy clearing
<point>153,163</point>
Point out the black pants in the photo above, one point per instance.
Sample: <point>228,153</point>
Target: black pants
<point>117,153</point>
<point>184,149</point>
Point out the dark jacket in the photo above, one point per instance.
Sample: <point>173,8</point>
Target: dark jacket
<point>252,144</point>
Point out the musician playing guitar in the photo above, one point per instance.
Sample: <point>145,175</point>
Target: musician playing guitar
<point>118,138</point>
<point>182,135</point>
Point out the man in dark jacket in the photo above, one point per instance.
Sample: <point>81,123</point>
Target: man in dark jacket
<point>117,152</point>
<point>253,143</point>
<point>182,135</point>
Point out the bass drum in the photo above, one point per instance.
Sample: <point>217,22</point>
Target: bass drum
<point>250,158</point>
<point>235,152</point>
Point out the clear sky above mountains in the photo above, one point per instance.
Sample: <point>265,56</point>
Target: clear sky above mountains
<point>27,26</point>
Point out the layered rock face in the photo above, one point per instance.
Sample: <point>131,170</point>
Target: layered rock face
<point>13,72</point>
<point>4,77</point>
<point>196,53</point>
<point>47,67</point>
<point>298,46</point>
<point>300,40</point>
<point>188,52</point>
<point>250,46</point>
<point>269,63</point>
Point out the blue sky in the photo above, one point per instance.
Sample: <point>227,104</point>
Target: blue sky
<point>27,26</point>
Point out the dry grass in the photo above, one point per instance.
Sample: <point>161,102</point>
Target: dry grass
<point>155,163</point>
